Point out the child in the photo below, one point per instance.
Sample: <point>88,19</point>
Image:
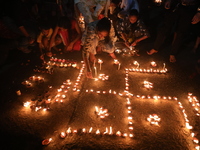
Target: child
<point>99,36</point>
<point>44,38</point>
<point>69,32</point>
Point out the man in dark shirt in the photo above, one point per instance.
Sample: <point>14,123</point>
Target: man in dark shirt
<point>182,13</point>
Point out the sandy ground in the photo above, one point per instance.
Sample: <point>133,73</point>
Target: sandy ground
<point>23,128</point>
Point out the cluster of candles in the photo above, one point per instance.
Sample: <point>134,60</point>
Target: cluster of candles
<point>62,63</point>
<point>76,86</point>
<point>102,77</point>
<point>62,91</point>
<point>128,52</point>
<point>60,96</point>
<point>102,113</point>
<point>116,62</point>
<point>44,70</point>
<point>33,78</point>
<point>148,85</point>
<point>194,102</point>
<point>32,105</point>
<point>27,84</point>
<point>154,119</point>
<point>36,78</point>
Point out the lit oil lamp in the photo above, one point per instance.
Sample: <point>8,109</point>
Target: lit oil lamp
<point>100,62</point>
<point>98,132</point>
<point>118,133</point>
<point>153,63</point>
<point>62,135</point>
<point>46,141</point>
<point>116,61</point>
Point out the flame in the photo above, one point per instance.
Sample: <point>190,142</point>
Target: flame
<point>69,130</point>
<point>111,132</point>
<point>27,104</point>
<point>90,130</point>
<point>98,131</point>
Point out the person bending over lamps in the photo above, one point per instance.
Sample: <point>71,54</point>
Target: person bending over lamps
<point>131,29</point>
<point>98,36</point>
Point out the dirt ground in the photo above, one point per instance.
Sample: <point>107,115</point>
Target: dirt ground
<point>25,129</point>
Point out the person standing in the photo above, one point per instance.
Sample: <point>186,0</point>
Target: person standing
<point>182,13</point>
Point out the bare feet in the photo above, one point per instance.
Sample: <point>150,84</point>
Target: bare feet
<point>152,51</point>
<point>89,75</point>
<point>92,58</point>
<point>172,58</point>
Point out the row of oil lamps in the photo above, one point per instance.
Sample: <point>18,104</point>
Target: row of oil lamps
<point>128,102</point>
<point>76,86</point>
<point>60,64</point>
<point>195,103</point>
<point>156,97</point>
<point>189,127</point>
<point>130,117</point>
<point>70,132</point>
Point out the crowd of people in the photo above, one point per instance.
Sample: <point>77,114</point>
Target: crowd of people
<point>92,26</point>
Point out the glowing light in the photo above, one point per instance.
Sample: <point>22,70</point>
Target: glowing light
<point>27,104</point>
<point>62,134</point>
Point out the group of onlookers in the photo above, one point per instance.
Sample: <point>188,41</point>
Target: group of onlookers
<point>93,25</point>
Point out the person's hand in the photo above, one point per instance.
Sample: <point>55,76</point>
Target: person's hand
<point>49,54</point>
<point>99,49</point>
<point>89,75</point>
<point>70,47</point>
<point>31,40</point>
<point>113,55</point>
<point>101,16</point>
<point>167,4</point>
<point>42,57</point>
<point>127,44</point>
<point>196,18</point>
<point>92,58</point>
<point>134,43</point>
